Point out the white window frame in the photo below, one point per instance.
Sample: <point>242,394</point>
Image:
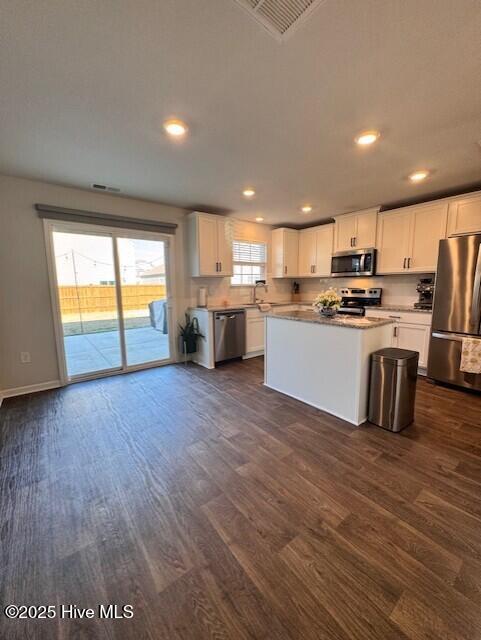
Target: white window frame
<point>247,263</point>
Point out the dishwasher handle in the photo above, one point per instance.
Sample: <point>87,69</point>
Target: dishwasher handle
<point>232,317</point>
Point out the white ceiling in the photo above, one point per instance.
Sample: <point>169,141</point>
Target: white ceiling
<point>86,85</point>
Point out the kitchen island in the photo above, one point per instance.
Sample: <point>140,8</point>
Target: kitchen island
<point>324,362</point>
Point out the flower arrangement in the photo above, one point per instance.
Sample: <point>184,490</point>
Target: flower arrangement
<point>327,302</point>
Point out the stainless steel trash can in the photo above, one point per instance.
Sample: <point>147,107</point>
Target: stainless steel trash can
<point>393,388</point>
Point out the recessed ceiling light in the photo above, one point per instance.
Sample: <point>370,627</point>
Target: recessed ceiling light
<point>366,138</point>
<point>249,192</point>
<point>175,128</point>
<point>306,208</point>
<point>259,219</point>
<point>419,176</point>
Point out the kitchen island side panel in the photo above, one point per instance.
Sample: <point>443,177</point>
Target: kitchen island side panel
<point>326,366</point>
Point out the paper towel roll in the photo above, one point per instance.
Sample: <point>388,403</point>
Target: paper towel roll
<point>202,297</point>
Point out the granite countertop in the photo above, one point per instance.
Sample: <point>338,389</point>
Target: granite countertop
<point>242,305</point>
<point>250,305</point>
<point>399,307</point>
<point>346,321</point>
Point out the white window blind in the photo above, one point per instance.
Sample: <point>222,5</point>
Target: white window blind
<point>249,262</point>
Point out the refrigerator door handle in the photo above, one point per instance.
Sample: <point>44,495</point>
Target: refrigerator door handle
<point>448,336</point>
<point>476,306</point>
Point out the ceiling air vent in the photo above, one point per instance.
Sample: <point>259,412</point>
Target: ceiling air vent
<point>280,17</point>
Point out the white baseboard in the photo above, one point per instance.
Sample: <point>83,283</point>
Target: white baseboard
<point>316,406</point>
<point>253,354</point>
<point>31,388</point>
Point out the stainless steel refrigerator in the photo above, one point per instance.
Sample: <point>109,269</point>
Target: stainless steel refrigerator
<point>456,309</point>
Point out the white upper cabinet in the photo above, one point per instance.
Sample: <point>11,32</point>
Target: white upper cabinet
<point>324,244</point>
<point>355,230</point>
<point>224,246</point>
<point>315,251</point>
<point>206,250</point>
<point>345,232</point>
<point>393,234</point>
<point>210,245</point>
<point>408,238</point>
<point>465,215</point>
<point>307,253</point>
<point>428,228</point>
<point>285,253</point>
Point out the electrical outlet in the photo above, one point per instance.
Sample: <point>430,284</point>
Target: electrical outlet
<point>25,357</point>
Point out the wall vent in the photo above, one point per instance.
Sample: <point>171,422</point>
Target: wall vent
<point>280,17</point>
<point>104,187</point>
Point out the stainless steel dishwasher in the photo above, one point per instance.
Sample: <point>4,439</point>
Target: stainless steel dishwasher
<point>229,334</point>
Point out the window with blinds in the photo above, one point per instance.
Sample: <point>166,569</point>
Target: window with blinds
<point>249,260</point>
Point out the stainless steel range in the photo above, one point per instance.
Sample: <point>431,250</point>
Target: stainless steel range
<point>354,301</point>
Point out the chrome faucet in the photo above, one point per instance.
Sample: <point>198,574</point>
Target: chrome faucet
<point>258,284</point>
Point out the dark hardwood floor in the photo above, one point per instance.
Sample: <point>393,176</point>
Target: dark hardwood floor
<point>221,509</point>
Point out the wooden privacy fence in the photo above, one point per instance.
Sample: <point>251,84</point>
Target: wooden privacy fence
<point>98,298</point>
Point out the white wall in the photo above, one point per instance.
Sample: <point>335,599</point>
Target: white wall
<point>26,322</point>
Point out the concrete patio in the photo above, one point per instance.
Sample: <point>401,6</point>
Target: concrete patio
<point>90,352</point>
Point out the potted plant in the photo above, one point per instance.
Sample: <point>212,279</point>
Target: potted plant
<point>188,335</point>
<point>327,303</point>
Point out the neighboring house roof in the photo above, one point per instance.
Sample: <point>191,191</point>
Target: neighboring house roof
<point>155,272</point>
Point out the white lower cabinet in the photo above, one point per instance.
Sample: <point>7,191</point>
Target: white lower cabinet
<point>410,330</point>
<point>414,337</point>
<point>254,332</point>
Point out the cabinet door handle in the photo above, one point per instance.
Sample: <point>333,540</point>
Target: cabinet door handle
<point>351,242</point>
<point>217,266</point>
<point>354,241</point>
<point>395,317</point>
<point>285,269</point>
<point>404,263</point>
<point>220,266</point>
<point>409,263</point>
<point>395,332</point>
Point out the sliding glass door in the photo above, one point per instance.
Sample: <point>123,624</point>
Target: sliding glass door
<point>112,299</point>
<point>88,302</point>
<point>144,300</point>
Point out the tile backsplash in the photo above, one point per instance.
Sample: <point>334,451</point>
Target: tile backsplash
<point>395,289</point>
<point>221,291</point>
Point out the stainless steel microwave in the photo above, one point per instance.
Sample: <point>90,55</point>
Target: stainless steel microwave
<point>357,262</point>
